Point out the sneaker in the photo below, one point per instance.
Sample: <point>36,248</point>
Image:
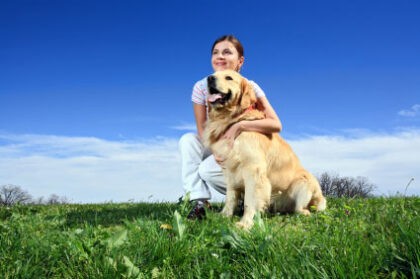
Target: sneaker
<point>199,210</point>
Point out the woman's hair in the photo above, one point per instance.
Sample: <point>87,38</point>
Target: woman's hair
<point>233,40</point>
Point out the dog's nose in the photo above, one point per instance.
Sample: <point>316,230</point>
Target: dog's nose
<point>211,80</point>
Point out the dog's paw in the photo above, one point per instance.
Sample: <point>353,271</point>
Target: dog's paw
<point>244,225</point>
<point>304,212</point>
<point>227,212</point>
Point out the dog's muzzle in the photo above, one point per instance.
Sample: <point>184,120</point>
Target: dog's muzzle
<point>215,95</point>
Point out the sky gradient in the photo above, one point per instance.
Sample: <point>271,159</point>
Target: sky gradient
<point>95,94</point>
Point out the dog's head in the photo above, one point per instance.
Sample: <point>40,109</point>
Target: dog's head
<point>229,90</point>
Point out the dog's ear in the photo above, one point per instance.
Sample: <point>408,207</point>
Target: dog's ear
<point>248,95</point>
<point>208,107</point>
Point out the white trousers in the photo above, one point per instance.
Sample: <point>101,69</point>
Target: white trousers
<point>199,169</point>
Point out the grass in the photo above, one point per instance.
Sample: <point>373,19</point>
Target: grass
<point>354,238</point>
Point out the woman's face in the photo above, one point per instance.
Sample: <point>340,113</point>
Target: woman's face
<point>226,57</point>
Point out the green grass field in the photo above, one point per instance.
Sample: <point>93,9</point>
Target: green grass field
<point>354,238</point>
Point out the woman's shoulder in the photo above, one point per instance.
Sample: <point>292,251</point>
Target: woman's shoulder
<point>199,92</point>
<point>202,83</point>
<point>257,89</point>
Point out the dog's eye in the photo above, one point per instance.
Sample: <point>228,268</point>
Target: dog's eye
<point>229,78</point>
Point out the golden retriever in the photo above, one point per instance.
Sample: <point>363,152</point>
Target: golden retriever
<point>261,167</point>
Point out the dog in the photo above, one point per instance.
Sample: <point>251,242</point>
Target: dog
<point>261,167</point>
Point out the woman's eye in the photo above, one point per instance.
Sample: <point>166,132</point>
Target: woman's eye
<point>229,78</point>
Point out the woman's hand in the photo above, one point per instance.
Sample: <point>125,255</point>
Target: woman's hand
<point>229,136</point>
<point>232,133</point>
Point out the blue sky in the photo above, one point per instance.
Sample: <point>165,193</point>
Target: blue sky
<point>122,72</point>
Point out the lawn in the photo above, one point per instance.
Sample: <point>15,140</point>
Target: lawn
<point>353,238</point>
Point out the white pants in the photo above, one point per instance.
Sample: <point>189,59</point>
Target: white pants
<point>199,169</point>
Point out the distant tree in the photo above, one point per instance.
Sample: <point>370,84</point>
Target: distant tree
<point>12,194</point>
<point>39,200</point>
<point>52,199</point>
<point>56,199</point>
<point>336,186</point>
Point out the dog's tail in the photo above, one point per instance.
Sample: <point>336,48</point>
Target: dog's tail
<point>318,200</point>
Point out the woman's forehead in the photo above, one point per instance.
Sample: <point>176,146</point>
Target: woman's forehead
<point>224,45</point>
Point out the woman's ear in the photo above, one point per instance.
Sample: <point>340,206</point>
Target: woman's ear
<point>240,63</point>
<point>248,95</point>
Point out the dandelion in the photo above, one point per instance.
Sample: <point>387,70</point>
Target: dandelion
<point>166,227</point>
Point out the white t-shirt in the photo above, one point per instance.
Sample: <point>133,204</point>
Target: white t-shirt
<point>200,91</point>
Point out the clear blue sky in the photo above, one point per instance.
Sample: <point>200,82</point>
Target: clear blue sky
<point>75,75</point>
<point>126,68</point>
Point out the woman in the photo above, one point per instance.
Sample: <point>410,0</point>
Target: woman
<point>200,169</point>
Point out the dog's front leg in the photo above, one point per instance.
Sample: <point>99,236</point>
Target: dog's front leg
<point>231,201</point>
<point>257,196</point>
<point>247,219</point>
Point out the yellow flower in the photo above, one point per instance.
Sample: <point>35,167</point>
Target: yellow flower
<point>166,227</point>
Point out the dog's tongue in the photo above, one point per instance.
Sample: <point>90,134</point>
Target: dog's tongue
<point>213,97</point>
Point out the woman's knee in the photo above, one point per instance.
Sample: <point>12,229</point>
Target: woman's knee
<point>188,139</point>
<point>209,170</point>
<point>212,175</point>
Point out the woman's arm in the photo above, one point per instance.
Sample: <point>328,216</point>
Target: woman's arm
<point>200,114</point>
<point>271,123</point>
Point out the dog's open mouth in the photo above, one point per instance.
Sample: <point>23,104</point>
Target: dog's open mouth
<point>217,97</point>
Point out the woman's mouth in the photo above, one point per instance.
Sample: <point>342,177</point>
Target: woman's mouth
<point>220,64</point>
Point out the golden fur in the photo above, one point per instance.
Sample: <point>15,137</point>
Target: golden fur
<point>263,167</point>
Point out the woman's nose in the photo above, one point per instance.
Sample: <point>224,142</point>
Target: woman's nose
<point>219,55</point>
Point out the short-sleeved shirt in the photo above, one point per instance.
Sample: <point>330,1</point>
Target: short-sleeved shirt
<point>200,91</point>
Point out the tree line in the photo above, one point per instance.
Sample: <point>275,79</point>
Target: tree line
<point>332,185</point>
<point>12,194</point>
